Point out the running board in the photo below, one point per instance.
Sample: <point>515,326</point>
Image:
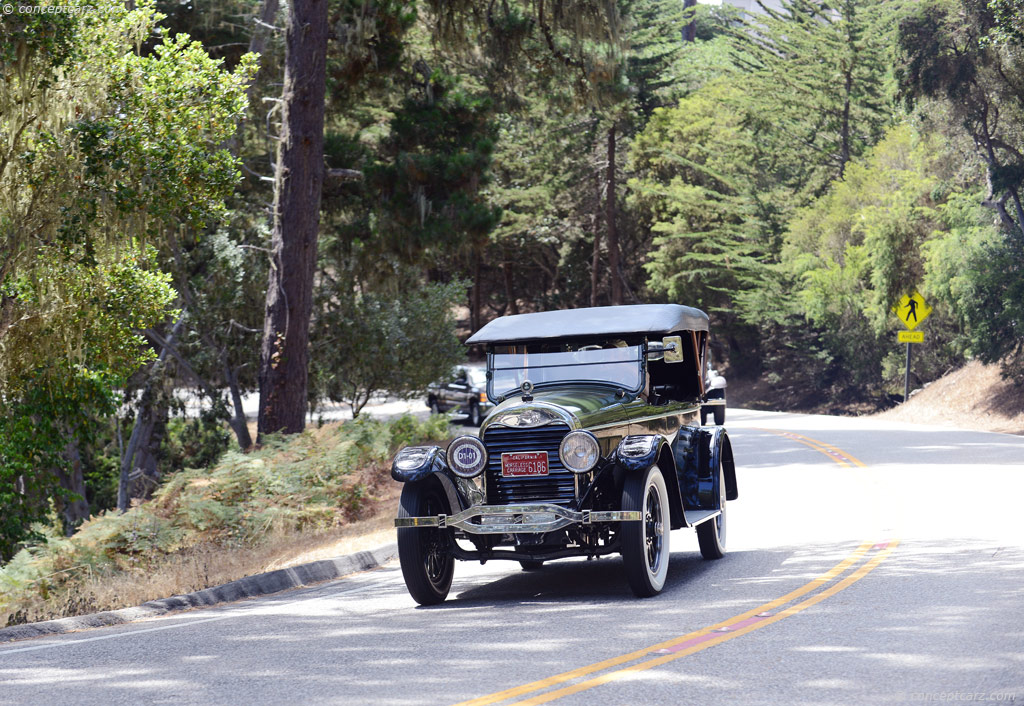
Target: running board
<point>699,517</point>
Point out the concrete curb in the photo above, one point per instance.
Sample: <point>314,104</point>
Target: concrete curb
<point>248,587</point>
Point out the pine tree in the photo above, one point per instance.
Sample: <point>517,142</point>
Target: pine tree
<point>816,82</point>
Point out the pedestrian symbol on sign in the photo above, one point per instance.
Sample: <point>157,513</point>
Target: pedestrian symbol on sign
<point>912,310</point>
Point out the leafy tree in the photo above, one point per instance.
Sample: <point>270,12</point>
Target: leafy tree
<point>47,413</point>
<point>944,55</point>
<point>105,148</point>
<point>437,157</point>
<point>853,253</point>
<point>398,342</point>
<point>966,57</point>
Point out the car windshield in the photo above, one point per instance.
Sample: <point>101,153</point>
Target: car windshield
<point>611,363</point>
<point>477,376</point>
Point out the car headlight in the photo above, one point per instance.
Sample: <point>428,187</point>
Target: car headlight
<point>412,457</point>
<point>467,456</point>
<point>579,451</point>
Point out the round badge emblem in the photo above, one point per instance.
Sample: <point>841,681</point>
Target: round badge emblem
<point>467,456</point>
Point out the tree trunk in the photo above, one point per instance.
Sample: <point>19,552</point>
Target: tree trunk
<point>844,136</point>
<point>595,264</point>
<point>690,30</point>
<point>474,292</point>
<point>142,431</point>
<point>147,472</point>
<point>510,294</point>
<point>610,214</point>
<point>75,508</point>
<point>284,356</point>
<point>238,422</point>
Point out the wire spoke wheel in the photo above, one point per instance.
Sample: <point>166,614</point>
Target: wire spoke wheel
<point>645,544</point>
<point>425,552</point>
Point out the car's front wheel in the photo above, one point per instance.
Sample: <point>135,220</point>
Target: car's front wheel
<point>425,552</point>
<point>645,544</point>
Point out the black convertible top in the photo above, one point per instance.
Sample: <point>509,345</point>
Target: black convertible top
<point>597,321</point>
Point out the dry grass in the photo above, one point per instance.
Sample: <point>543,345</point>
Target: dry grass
<point>324,493</point>
<point>209,565</point>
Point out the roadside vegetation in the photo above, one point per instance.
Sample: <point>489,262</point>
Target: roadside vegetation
<point>207,526</point>
<point>793,173</point>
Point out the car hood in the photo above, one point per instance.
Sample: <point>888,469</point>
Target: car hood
<point>580,406</point>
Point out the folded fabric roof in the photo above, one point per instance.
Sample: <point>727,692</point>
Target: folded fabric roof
<point>596,322</point>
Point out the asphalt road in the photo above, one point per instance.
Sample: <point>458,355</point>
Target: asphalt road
<point>868,563</point>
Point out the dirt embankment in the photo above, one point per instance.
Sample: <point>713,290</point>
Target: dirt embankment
<point>974,396</point>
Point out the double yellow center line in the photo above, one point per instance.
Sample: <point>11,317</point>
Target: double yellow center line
<point>865,558</point>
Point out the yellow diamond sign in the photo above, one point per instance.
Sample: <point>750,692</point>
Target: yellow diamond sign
<point>912,310</point>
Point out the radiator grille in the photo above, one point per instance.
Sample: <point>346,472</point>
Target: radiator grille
<point>559,486</point>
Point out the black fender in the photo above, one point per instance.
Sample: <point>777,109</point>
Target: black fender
<point>434,466</point>
<point>698,453</point>
<point>638,452</point>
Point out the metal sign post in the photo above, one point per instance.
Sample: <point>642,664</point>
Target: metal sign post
<point>906,374</point>
<point>911,310</point>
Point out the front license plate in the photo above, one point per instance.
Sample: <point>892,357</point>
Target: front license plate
<point>524,463</point>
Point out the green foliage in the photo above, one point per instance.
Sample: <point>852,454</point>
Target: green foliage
<point>195,442</point>
<point>397,343</point>
<point>697,167</point>
<point>439,150</point>
<point>316,480</point>
<point>855,251</point>
<point>1008,17</point>
<point>545,187</point>
<point>976,273</point>
<point>816,77</point>
<point>160,153</point>
<point>104,147</point>
<point>34,427</point>
<point>962,60</point>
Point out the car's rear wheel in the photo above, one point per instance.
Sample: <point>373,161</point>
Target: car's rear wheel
<point>703,416</point>
<point>720,414</point>
<point>434,407</point>
<point>425,552</point>
<point>474,417</point>
<point>711,534</point>
<point>645,544</point>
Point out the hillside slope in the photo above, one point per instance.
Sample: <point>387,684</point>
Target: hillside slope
<point>971,397</point>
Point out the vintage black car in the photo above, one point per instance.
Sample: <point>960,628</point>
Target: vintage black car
<point>464,392</point>
<point>594,448</point>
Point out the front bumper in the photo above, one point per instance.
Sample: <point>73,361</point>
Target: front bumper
<point>519,519</point>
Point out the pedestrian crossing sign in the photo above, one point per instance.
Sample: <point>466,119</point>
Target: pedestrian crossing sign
<point>912,310</point>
